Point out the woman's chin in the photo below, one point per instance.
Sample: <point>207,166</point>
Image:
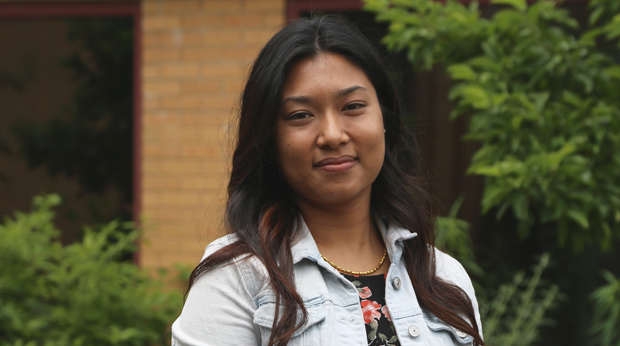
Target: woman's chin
<point>341,197</point>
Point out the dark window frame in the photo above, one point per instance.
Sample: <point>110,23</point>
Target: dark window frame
<point>100,9</point>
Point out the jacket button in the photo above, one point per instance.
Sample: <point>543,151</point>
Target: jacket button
<point>461,334</point>
<point>414,331</point>
<point>396,283</point>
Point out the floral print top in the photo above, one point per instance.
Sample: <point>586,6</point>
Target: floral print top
<point>379,327</point>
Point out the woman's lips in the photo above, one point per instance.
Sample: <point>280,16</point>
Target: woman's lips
<point>337,164</point>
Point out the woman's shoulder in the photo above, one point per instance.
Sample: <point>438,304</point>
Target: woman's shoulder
<point>245,269</point>
<point>451,270</point>
<point>219,243</point>
<point>221,302</point>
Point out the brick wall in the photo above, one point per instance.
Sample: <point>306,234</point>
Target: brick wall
<point>195,57</point>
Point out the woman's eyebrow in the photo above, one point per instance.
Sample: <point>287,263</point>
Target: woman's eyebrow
<point>308,99</point>
<point>349,90</point>
<point>300,99</point>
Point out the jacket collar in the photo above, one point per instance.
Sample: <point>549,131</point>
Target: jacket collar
<point>393,236</point>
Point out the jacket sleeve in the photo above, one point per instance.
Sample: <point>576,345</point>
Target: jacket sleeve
<point>450,270</point>
<point>219,310</point>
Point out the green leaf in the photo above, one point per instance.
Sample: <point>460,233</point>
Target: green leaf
<point>500,168</point>
<point>613,71</point>
<point>484,63</point>
<point>374,324</point>
<point>596,14</point>
<point>520,207</point>
<point>375,5</point>
<point>461,72</point>
<point>556,158</point>
<point>516,122</point>
<point>476,96</point>
<point>579,217</point>
<point>590,36</point>
<point>372,334</point>
<point>572,98</point>
<point>498,99</point>
<point>521,5</point>
<point>492,195</point>
<point>606,317</point>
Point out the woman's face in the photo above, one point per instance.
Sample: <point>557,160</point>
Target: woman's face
<point>329,134</point>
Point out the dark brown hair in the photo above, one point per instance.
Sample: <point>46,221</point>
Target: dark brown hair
<point>261,209</point>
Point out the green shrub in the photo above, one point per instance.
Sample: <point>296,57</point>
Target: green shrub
<point>541,100</point>
<point>513,314</point>
<point>606,321</point>
<point>540,92</point>
<point>79,294</point>
<point>452,236</point>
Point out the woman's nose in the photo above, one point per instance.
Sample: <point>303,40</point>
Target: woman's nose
<point>331,132</point>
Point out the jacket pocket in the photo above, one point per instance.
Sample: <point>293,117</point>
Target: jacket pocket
<point>308,334</point>
<point>448,334</point>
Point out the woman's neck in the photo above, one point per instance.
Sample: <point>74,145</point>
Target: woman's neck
<point>345,233</point>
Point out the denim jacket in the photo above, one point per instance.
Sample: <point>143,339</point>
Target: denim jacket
<point>234,304</point>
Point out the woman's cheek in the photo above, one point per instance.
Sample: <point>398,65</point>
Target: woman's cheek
<point>289,166</point>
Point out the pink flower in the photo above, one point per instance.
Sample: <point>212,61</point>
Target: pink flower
<point>370,311</point>
<point>386,313</point>
<point>365,292</point>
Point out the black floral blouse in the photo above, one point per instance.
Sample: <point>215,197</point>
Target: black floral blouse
<point>379,327</point>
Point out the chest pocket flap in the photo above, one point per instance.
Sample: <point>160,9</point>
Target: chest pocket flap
<point>264,315</point>
<point>437,325</point>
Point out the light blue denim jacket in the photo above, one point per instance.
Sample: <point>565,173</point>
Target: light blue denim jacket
<point>234,305</point>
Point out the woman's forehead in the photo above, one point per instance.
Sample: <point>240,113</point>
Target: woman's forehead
<point>325,73</point>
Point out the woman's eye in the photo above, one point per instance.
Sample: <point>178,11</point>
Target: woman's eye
<point>353,106</point>
<point>300,115</point>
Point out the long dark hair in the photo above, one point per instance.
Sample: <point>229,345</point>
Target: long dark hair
<point>261,209</point>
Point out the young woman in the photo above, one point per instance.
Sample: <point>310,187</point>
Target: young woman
<point>331,229</point>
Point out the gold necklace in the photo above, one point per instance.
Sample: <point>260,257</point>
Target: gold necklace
<point>346,271</point>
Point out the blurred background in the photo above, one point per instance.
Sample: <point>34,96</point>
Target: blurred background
<point>115,117</point>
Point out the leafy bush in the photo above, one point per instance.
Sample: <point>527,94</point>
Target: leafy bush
<point>453,236</point>
<point>511,315</point>
<point>79,294</point>
<point>540,93</point>
<point>542,102</point>
<point>514,316</point>
<point>606,322</point>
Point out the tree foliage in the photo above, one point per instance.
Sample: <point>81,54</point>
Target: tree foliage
<point>452,235</point>
<point>606,321</point>
<point>542,102</point>
<point>516,312</point>
<point>80,294</point>
<point>540,92</point>
<point>512,314</point>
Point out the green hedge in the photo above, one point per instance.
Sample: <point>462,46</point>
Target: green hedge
<point>80,294</point>
<point>540,93</point>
